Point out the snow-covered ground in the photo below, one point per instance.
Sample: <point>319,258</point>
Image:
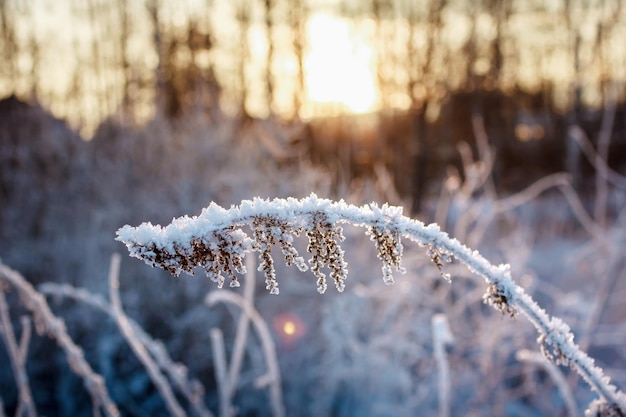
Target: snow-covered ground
<point>369,351</point>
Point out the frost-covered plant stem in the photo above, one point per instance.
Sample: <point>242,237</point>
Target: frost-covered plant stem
<point>442,336</point>
<point>216,241</point>
<point>243,326</point>
<point>191,389</point>
<point>17,356</point>
<point>556,375</point>
<point>47,322</point>
<point>138,348</point>
<point>219,361</point>
<point>228,376</point>
<point>272,378</point>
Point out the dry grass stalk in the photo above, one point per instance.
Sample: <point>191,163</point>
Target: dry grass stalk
<point>46,322</point>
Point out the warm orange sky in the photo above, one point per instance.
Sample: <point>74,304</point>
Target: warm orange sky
<point>340,62</point>
<point>339,66</point>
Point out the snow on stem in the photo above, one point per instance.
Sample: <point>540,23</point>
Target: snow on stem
<point>442,337</point>
<point>216,241</point>
<point>126,329</point>
<point>191,389</point>
<point>17,356</point>
<point>46,322</point>
<point>556,375</point>
<point>272,378</point>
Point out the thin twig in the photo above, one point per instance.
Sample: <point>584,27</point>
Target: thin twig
<point>17,356</point>
<point>242,328</point>
<point>557,377</point>
<point>486,154</point>
<point>190,388</point>
<point>48,322</point>
<point>604,140</point>
<point>221,376</point>
<point>138,348</point>
<point>25,338</point>
<point>267,344</point>
<point>562,183</point>
<point>604,290</point>
<point>599,164</point>
<point>441,338</point>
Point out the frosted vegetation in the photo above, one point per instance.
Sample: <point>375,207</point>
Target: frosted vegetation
<point>85,330</point>
<point>215,241</point>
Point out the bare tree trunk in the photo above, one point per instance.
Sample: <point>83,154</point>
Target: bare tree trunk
<point>411,52</point>
<point>573,155</point>
<point>93,13</point>
<point>9,45</point>
<point>609,93</point>
<point>153,7</point>
<point>124,34</point>
<point>269,77</point>
<point>243,19</point>
<point>420,104</point>
<point>297,20</point>
<point>35,53</point>
<point>503,9</point>
<point>379,50</point>
<point>213,88</point>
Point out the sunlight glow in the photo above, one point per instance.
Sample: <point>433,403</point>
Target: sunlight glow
<point>339,68</point>
<point>289,328</point>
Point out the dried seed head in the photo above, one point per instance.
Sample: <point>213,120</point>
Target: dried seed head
<point>269,231</point>
<point>220,252</point>
<point>324,239</point>
<point>498,299</point>
<point>439,257</point>
<point>389,248</point>
<point>264,237</point>
<point>551,352</point>
<point>606,410</point>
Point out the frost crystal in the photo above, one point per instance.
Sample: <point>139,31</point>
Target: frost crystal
<point>438,256</point>
<point>389,249</point>
<point>498,299</point>
<point>324,239</point>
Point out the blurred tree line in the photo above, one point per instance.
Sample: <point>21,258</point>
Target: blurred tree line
<point>528,68</point>
<point>135,58</point>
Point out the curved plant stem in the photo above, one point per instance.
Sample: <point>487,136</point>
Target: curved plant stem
<point>267,344</point>
<point>17,356</point>
<point>175,248</point>
<point>138,348</point>
<point>191,389</point>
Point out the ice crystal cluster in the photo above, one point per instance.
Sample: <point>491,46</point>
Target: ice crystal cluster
<point>216,240</point>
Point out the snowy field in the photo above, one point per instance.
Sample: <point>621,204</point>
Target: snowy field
<point>175,346</point>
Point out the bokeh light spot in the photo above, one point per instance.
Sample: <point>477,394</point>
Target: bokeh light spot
<point>289,328</point>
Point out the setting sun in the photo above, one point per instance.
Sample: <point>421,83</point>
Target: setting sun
<point>339,68</point>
